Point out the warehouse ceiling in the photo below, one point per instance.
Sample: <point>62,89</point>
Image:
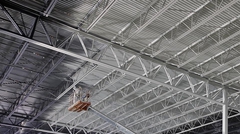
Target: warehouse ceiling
<point>151,66</point>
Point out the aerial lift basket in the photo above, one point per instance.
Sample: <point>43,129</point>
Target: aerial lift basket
<point>79,100</point>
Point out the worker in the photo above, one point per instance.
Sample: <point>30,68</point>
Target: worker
<point>85,97</point>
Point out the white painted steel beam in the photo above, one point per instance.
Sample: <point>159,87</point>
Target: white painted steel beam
<point>69,53</point>
<point>225,112</point>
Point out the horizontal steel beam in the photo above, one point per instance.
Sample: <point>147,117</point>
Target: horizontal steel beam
<point>72,54</point>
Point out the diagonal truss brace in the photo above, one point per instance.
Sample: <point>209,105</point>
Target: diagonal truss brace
<point>50,8</point>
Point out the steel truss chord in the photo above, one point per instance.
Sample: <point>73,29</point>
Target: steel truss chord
<point>140,22</point>
<point>189,26</point>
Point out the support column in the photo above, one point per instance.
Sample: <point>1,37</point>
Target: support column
<point>225,113</point>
